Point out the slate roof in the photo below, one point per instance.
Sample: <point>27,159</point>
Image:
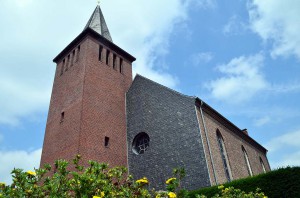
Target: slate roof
<point>211,111</point>
<point>98,24</point>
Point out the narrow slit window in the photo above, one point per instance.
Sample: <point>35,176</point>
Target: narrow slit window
<point>100,52</point>
<point>114,61</point>
<point>62,116</point>
<point>106,141</point>
<point>68,62</point>
<point>78,52</point>
<point>62,67</point>
<point>121,66</point>
<point>73,57</point>
<point>107,57</point>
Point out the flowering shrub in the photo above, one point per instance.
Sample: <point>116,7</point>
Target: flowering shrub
<point>97,181</point>
<point>231,192</point>
<point>174,186</point>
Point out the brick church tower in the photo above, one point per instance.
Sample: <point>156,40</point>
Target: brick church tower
<point>87,109</point>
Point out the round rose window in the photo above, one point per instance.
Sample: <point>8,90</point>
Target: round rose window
<point>140,143</point>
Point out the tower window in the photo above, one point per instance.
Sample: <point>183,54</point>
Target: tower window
<point>106,141</point>
<point>121,66</point>
<point>68,62</point>
<point>100,52</point>
<point>247,161</point>
<point>62,116</point>
<point>78,52</point>
<point>223,155</point>
<point>107,57</point>
<point>114,61</point>
<point>73,58</point>
<point>62,67</point>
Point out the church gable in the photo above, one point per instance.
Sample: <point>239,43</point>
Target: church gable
<point>162,134</point>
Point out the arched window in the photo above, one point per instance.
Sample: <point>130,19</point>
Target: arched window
<point>262,165</point>
<point>247,161</point>
<point>223,155</point>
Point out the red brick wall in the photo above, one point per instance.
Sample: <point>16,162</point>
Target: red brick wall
<point>233,145</point>
<point>61,138</point>
<point>92,95</point>
<point>104,108</point>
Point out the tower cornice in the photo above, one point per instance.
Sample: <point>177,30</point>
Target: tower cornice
<point>90,32</point>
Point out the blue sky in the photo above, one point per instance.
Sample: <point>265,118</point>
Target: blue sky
<point>241,57</point>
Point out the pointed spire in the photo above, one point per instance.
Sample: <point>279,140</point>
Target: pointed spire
<point>98,24</point>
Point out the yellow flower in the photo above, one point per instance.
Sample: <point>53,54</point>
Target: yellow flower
<point>102,194</point>
<point>265,197</point>
<point>171,195</point>
<point>170,180</point>
<point>142,181</point>
<point>220,187</point>
<point>225,190</point>
<point>29,191</point>
<point>31,173</point>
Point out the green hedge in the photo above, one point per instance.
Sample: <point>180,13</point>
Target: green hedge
<point>283,182</point>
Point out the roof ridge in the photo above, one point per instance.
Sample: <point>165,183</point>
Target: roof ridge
<point>139,75</point>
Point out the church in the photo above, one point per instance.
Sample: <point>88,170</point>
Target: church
<point>99,111</point>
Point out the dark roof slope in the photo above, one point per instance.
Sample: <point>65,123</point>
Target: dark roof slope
<point>208,109</point>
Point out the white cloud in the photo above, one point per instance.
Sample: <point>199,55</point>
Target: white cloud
<point>20,99</point>
<point>291,87</point>
<point>262,121</point>
<point>242,79</point>
<point>277,21</point>
<point>205,4</point>
<point>287,140</point>
<point>234,26</point>
<point>201,57</point>
<point>291,159</point>
<point>18,159</point>
<point>284,150</point>
<point>23,3</point>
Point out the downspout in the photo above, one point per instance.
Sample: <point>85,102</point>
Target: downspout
<point>126,133</point>
<point>208,144</point>
<point>204,149</point>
